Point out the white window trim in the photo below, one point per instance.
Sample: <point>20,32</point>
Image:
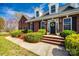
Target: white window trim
<point>50,8</point>
<point>56,7</point>
<point>71,22</point>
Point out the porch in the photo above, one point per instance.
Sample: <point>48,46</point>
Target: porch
<point>68,20</point>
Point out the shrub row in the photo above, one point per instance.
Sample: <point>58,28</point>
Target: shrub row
<point>29,36</point>
<point>27,31</point>
<point>67,32</point>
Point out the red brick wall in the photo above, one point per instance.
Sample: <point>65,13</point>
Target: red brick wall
<point>36,26</point>
<point>61,24</point>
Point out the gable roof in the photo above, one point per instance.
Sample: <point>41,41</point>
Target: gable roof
<point>19,16</point>
<point>68,8</point>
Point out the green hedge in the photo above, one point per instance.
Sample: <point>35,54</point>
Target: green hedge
<point>43,31</point>
<point>33,37</point>
<point>72,44</point>
<point>15,33</point>
<point>67,32</point>
<point>25,31</point>
<point>29,31</point>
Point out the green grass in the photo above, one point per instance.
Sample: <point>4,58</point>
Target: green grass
<point>4,34</point>
<point>8,48</point>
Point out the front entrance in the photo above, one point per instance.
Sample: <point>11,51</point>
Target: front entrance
<point>52,27</point>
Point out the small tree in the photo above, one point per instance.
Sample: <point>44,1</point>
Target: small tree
<point>2,22</point>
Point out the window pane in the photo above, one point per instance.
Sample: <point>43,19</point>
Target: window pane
<point>43,24</point>
<point>52,8</point>
<point>67,27</point>
<point>67,24</point>
<point>37,14</point>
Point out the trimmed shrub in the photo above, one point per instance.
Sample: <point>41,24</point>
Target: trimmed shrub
<point>16,33</point>
<point>33,37</point>
<point>29,31</point>
<point>72,44</point>
<point>67,32</point>
<point>25,31</point>
<point>43,31</point>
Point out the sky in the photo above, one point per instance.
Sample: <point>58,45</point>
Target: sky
<point>8,10</point>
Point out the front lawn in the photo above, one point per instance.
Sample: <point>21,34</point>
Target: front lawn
<point>8,48</point>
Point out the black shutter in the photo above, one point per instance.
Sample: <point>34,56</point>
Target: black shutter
<point>74,23</point>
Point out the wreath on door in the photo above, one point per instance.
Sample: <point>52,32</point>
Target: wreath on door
<point>52,24</point>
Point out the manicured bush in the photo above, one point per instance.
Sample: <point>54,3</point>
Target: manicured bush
<point>43,31</point>
<point>29,31</point>
<point>72,44</point>
<point>15,33</point>
<point>33,37</point>
<point>25,31</point>
<point>67,32</point>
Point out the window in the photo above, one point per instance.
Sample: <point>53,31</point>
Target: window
<point>43,25</point>
<point>52,8</point>
<point>37,13</point>
<point>68,23</point>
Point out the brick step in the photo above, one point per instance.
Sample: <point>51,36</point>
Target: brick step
<point>53,36</point>
<point>52,42</point>
<point>56,40</point>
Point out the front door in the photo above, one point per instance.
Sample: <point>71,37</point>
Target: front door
<point>52,27</point>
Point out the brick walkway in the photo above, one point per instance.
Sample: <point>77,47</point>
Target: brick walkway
<point>42,49</point>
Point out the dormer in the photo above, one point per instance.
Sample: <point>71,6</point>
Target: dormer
<point>75,5</point>
<point>38,12</point>
<point>53,8</point>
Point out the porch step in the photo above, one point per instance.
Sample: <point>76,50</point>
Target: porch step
<point>53,36</point>
<point>53,39</point>
<point>56,40</point>
<point>53,42</point>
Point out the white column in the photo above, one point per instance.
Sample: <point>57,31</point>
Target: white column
<point>57,7</point>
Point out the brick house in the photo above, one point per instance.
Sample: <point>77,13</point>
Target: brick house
<point>22,25</point>
<point>56,19</point>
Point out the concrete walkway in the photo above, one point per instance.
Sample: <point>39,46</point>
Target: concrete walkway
<point>42,49</point>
